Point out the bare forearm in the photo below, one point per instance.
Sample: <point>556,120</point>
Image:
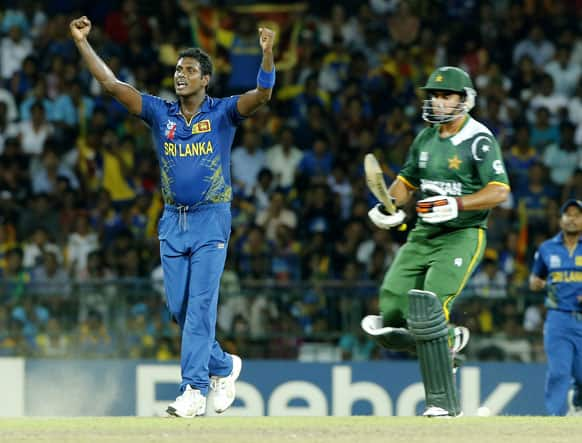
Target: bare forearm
<point>536,283</point>
<point>487,198</point>
<point>268,62</point>
<point>400,192</point>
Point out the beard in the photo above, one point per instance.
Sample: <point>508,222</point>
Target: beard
<point>572,229</point>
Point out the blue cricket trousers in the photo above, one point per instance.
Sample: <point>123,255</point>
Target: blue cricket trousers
<point>563,345</point>
<point>193,246</point>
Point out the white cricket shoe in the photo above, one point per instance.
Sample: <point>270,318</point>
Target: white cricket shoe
<point>436,412</point>
<point>188,405</point>
<point>224,387</point>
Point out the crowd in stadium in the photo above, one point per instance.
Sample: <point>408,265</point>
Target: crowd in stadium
<point>79,181</point>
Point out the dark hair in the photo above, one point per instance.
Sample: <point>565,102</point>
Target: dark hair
<point>565,125</point>
<point>202,57</point>
<point>37,105</point>
<point>264,172</point>
<point>15,251</point>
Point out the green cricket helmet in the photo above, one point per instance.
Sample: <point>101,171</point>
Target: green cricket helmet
<point>451,79</point>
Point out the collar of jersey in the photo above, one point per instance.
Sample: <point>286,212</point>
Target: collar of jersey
<point>466,118</point>
<point>560,238</point>
<point>204,106</point>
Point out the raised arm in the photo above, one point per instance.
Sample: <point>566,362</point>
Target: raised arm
<point>252,100</point>
<point>126,94</point>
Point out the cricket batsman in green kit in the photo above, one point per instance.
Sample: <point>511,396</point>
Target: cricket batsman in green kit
<point>457,168</point>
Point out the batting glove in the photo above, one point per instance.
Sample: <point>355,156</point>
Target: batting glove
<point>384,220</point>
<point>437,209</point>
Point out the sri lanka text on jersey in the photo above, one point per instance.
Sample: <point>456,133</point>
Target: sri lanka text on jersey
<point>566,276</point>
<point>188,150</point>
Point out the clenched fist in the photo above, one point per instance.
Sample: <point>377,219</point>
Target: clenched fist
<point>266,39</point>
<point>80,28</point>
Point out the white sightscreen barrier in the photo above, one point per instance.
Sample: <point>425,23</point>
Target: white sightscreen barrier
<point>11,387</point>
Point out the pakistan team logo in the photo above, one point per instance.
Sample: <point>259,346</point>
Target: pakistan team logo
<point>480,147</point>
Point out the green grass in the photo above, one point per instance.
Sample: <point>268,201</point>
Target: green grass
<point>292,429</point>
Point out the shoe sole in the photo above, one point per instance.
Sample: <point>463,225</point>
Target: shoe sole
<point>445,416</point>
<point>236,370</point>
<point>174,413</point>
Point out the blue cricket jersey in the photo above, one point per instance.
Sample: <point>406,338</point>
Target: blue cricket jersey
<point>194,156</point>
<point>562,271</point>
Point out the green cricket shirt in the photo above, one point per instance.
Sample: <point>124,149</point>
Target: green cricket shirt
<point>461,164</point>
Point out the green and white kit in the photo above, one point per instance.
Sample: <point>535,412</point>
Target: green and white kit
<point>440,258</point>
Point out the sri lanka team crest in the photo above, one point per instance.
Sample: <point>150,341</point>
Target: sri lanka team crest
<point>170,129</point>
<point>201,126</point>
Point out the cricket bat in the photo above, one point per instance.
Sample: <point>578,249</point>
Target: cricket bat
<point>376,183</point>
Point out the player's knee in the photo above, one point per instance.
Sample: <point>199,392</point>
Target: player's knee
<point>176,314</point>
<point>559,375</point>
<point>393,315</point>
<point>393,308</point>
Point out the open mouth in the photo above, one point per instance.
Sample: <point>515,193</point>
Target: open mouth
<point>181,84</point>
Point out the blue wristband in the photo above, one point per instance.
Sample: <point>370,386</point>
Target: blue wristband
<point>266,79</point>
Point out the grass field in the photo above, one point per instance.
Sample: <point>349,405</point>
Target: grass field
<point>292,429</point>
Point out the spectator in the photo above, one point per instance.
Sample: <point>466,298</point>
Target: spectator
<point>547,98</point>
<point>490,281</point>
<point>520,158</point>
<point>34,132</point>
<point>543,131</point>
<point>10,109</point>
<point>403,25</point>
<point>535,46</point>
<point>39,244</point>
<point>80,243</point>
<point>94,339</point>
<point>263,190</point>
<point>14,48</point>
<point>275,215</point>
<point>52,174</point>
<point>118,160</point>
<point>283,159</point>
<point>565,74</point>
<point>14,279</point>
<point>247,160</point>
<point>52,341</point>
<point>50,278</point>
<point>316,164</point>
<point>563,158</point>
<point>356,345</point>
<point>286,261</point>
<point>7,129</point>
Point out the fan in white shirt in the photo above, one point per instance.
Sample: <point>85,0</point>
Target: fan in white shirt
<point>283,158</point>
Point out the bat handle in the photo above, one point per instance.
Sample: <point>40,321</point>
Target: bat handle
<point>383,209</point>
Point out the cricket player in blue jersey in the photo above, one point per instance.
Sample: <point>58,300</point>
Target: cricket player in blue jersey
<point>558,268</point>
<point>193,138</point>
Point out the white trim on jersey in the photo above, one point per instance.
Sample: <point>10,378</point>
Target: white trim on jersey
<point>471,128</point>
